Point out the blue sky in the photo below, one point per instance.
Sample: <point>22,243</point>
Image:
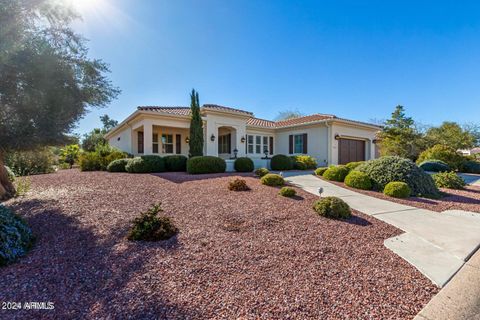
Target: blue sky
<point>355,59</point>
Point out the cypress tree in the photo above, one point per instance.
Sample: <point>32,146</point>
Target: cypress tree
<point>196,126</point>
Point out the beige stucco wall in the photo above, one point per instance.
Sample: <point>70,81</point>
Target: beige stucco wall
<point>215,121</point>
<point>122,140</point>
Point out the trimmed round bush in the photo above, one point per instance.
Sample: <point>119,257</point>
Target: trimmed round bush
<point>304,162</point>
<point>332,207</point>
<point>10,174</point>
<point>320,171</point>
<point>118,165</point>
<point>273,180</point>
<point>287,192</point>
<point>358,180</point>
<point>16,236</point>
<point>397,189</point>
<point>392,168</point>
<point>152,227</point>
<point>448,180</point>
<point>175,163</point>
<point>206,164</point>
<point>444,153</point>
<point>434,166</point>
<point>336,173</point>
<point>243,164</point>
<point>238,185</point>
<point>470,166</point>
<point>353,165</point>
<point>281,162</point>
<point>146,164</point>
<point>261,172</point>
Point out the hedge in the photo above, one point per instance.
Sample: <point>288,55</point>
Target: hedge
<point>206,164</point>
<point>175,163</point>
<point>281,162</point>
<point>146,164</point>
<point>243,164</point>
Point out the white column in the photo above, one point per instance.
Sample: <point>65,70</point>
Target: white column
<point>147,137</point>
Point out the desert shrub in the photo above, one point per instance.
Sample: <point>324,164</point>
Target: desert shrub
<point>304,162</point>
<point>22,186</point>
<point>393,168</point>
<point>273,180</point>
<point>63,166</point>
<point>448,180</point>
<point>332,207</point>
<point>90,161</point>
<point>397,189</point>
<point>287,192</point>
<point>244,164</point>
<point>444,153</point>
<point>238,185</point>
<point>146,164</point>
<point>16,236</point>
<point>175,163</point>
<point>434,166</point>
<point>470,167</point>
<point>206,164</point>
<point>353,165</point>
<point>25,163</point>
<point>320,171</point>
<point>118,165</point>
<point>336,173</point>
<point>99,159</point>
<point>152,227</point>
<point>10,174</point>
<point>69,154</point>
<point>261,172</point>
<point>358,180</point>
<point>281,162</point>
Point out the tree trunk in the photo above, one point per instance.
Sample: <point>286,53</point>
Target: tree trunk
<point>7,190</point>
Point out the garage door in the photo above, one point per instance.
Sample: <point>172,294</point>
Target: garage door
<point>350,150</point>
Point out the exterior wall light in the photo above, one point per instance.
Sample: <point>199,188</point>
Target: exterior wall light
<point>235,152</point>
<point>242,140</point>
<point>212,137</point>
<point>337,137</point>
<point>187,140</point>
<point>375,141</point>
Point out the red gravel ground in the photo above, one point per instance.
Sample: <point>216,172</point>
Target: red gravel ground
<point>467,199</point>
<point>243,255</point>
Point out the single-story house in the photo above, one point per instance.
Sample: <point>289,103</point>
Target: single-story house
<point>230,133</point>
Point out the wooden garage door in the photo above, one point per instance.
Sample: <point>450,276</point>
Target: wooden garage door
<point>350,150</point>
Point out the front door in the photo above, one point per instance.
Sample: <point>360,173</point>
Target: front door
<point>350,150</point>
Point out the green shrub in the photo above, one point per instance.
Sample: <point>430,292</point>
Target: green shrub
<point>118,165</point>
<point>206,164</point>
<point>22,186</point>
<point>273,180</point>
<point>332,207</point>
<point>175,163</point>
<point>63,166</point>
<point>151,227</point>
<point>16,236</point>
<point>392,168</point>
<point>99,159</point>
<point>358,180</point>
<point>10,174</point>
<point>397,189</point>
<point>304,162</point>
<point>287,192</point>
<point>434,166</point>
<point>238,185</point>
<point>244,164</point>
<point>90,161</point>
<point>353,165</point>
<point>146,164</point>
<point>320,171</point>
<point>25,163</point>
<point>448,180</point>
<point>69,154</point>
<point>470,167</point>
<point>281,162</point>
<point>261,172</point>
<point>336,173</point>
<point>444,153</point>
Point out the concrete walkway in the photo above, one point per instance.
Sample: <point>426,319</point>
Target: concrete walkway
<point>471,179</point>
<point>437,244</point>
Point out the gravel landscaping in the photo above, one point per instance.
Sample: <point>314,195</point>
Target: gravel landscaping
<point>245,255</point>
<point>467,199</point>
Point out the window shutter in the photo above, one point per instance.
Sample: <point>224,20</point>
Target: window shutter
<point>290,144</point>
<point>178,141</point>
<point>271,145</point>
<point>305,143</point>
<point>229,142</point>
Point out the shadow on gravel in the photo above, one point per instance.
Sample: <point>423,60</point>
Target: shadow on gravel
<point>356,220</point>
<point>180,177</point>
<point>87,273</point>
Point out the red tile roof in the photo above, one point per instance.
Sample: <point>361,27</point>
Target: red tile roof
<point>303,120</point>
<point>260,123</point>
<point>222,108</point>
<point>182,111</point>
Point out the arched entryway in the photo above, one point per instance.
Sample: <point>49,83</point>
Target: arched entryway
<point>227,142</point>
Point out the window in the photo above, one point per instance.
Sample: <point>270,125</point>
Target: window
<point>298,143</point>
<point>140,142</point>
<point>265,144</point>
<point>167,143</point>
<point>224,143</point>
<point>258,144</point>
<point>250,144</point>
<point>155,143</point>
